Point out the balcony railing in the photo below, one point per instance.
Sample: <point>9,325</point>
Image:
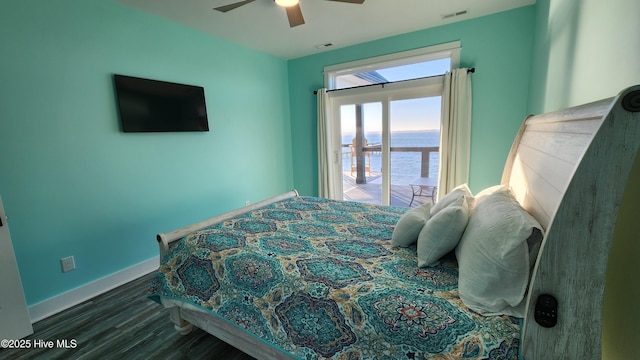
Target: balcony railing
<point>360,158</point>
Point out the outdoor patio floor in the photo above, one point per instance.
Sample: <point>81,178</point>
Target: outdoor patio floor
<point>371,192</point>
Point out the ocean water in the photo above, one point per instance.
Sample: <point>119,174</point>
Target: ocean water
<point>405,166</point>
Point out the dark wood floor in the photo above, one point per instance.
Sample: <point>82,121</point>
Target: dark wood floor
<point>121,324</point>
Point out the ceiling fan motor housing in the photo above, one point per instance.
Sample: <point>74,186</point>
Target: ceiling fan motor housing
<point>294,13</point>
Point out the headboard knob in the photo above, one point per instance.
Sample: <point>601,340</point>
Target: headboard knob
<point>631,101</point>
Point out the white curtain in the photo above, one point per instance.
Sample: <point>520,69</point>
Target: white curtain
<point>327,187</point>
<point>455,131</point>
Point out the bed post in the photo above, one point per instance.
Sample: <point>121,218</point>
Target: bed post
<point>181,325</point>
<point>163,244</point>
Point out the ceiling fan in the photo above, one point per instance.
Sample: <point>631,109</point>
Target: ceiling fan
<point>294,14</point>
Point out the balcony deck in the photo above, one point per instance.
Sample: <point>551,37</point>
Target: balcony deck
<point>371,191</point>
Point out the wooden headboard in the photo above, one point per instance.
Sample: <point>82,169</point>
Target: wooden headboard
<point>570,169</point>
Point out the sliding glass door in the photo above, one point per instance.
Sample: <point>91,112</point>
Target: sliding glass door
<point>389,140</point>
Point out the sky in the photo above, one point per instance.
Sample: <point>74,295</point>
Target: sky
<point>406,115</point>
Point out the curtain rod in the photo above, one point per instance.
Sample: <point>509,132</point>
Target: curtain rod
<point>315,92</point>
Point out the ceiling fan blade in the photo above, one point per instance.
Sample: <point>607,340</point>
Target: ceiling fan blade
<point>349,1</point>
<point>295,15</point>
<point>230,7</point>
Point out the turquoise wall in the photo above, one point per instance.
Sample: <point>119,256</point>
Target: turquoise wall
<point>586,50</point>
<point>499,46</point>
<point>73,184</point>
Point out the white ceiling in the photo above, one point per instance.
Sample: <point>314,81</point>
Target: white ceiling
<point>262,25</point>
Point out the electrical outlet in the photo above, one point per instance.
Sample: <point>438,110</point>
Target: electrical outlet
<point>68,264</point>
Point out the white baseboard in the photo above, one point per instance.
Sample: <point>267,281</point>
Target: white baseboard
<point>74,297</point>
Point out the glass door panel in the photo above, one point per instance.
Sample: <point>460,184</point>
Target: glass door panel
<point>361,136</point>
<point>414,126</point>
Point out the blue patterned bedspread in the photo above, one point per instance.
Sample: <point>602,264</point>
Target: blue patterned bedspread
<point>319,279</point>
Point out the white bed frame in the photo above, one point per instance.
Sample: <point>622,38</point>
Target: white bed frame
<point>569,169</point>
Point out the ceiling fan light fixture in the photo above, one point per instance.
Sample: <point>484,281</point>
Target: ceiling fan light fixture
<point>287,3</point>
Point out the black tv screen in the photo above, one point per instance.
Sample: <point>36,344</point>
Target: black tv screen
<point>158,106</point>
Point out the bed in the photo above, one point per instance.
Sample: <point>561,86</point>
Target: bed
<point>296,277</point>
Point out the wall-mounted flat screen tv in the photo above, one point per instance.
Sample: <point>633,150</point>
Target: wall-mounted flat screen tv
<point>158,106</point>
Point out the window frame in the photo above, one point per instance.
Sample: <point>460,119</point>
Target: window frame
<point>402,90</point>
<point>449,50</point>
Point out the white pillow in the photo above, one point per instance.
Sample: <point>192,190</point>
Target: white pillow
<point>453,195</point>
<point>494,255</point>
<point>491,190</point>
<point>409,225</point>
<point>442,232</point>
